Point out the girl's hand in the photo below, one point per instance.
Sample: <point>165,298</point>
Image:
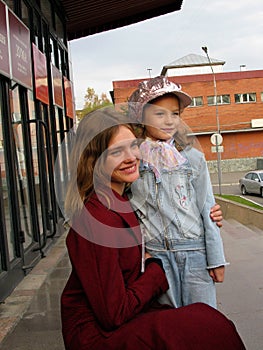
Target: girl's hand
<point>216,215</point>
<point>217,274</point>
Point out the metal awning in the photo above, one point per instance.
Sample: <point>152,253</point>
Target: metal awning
<point>87,17</point>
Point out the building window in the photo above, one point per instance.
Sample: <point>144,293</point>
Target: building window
<point>261,96</point>
<point>25,14</point>
<point>197,101</point>
<point>221,100</point>
<point>59,28</point>
<point>10,4</point>
<point>48,12</point>
<point>245,98</point>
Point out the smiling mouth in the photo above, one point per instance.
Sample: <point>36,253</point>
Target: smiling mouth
<point>130,169</point>
<point>168,131</point>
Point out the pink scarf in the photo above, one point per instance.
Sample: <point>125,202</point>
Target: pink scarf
<point>160,155</point>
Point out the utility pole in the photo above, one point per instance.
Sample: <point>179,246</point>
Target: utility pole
<point>219,173</point>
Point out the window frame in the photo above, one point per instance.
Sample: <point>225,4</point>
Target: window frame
<point>220,100</point>
<point>247,96</point>
<point>194,102</point>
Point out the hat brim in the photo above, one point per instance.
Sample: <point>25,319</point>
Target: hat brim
<point>185,99</point>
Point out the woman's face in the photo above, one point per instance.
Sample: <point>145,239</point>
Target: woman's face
<point>122,161</point>
<point>161,118</point>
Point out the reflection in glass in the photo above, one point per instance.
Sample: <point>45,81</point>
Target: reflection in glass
<point>6,196</point>
<point>34,148</point>
<point>21,172</point>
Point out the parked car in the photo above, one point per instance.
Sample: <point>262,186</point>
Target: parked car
<point>252,182</point>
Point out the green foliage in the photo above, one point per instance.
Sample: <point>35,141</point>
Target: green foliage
<point>92,102</point>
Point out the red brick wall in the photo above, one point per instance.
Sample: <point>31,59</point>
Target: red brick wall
<point>236,145</point>
<point>232,116</point>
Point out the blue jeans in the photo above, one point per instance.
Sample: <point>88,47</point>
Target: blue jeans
<point>188,278</point>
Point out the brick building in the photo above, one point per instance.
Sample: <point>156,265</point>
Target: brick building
<point>238,111</point>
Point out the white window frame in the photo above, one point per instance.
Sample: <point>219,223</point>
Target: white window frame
<point>248,97</point>
<point>197,101</point>
<point>220,100</point>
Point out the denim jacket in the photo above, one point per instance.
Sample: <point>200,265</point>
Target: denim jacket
<point>175,212</point>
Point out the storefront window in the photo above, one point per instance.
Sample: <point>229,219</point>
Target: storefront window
<point>52,53</point>
<point>59,28</point>
<point>47,11</point>
<point>21,172</point>
<point>5,194</point>
<point>25,14</point>
<point>10,4</point>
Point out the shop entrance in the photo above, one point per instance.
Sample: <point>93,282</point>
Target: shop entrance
<point>28,207</point>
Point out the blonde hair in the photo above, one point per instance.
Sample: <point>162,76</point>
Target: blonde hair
<point>88,154</point>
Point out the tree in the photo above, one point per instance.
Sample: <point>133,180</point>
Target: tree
<point>92,102</point>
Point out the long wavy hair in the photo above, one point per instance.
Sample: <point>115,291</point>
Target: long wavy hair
<point>88,154</point>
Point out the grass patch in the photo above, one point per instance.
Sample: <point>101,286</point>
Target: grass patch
<point>240,200</point>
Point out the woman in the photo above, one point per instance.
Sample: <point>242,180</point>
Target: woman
<point>110,299</point>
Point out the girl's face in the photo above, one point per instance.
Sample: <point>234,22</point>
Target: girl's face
<point>122,161</point>
<point>161,118</point>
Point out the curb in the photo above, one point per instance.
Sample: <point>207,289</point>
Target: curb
<point>241,213</point>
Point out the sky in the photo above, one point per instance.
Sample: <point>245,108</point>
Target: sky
<point>231,30</point>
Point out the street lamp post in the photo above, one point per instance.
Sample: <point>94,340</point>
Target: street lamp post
<point>149,70</point>
<point>204,48</point>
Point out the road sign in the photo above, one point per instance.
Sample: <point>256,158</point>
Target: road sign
<point>216,139</point>
<point>215,149</point>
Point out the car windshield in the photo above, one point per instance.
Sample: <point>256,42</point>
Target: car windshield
<point>261,176</point>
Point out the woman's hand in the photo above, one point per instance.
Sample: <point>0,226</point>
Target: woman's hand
<point>147,255</point>
<point>216,215</point>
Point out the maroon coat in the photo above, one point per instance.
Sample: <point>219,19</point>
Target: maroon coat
<point>109,304</point>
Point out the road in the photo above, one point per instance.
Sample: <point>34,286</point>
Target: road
<point>230,185</point>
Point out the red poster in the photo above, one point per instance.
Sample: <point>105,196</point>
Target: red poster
<point>40,70</point>
<point>4,54</point>
<point>69,98</point>
<point>57,86</point>
<point>20,51</point>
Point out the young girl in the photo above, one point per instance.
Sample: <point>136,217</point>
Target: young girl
<point>108,303</point>
<point>173,196</point>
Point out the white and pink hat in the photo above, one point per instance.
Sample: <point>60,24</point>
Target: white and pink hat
<point>149,90</point>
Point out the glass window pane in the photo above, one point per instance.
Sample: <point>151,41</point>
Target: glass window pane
<point>21,171</point>
<point>10,4</point>
<point>25,14</point>
<point>245,98</point>
<point>210,100</point>
<point>237,98</point>
<point>47,11</point>
<point>199,101</point>
<point>59,28</point>
<point>6,196</point>
<point>52,48</point>
<point>226,99</point>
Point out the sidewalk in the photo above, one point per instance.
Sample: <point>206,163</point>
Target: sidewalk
<point>34,306</point>
<point>240,297</point>
<point>30,316</point>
